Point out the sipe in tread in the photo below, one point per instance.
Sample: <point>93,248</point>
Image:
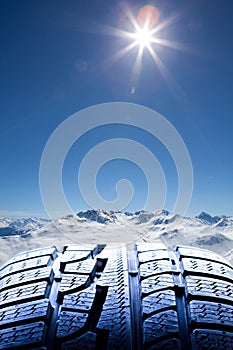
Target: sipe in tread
<point>137,297</point>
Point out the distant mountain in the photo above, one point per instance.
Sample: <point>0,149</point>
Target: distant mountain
<point>12,227</point>
<point>208,219</point>
<point>114,227</point>
<point>218,221</point>
<point>156,218</point>
<point>100,216</point>
<point>156,221</point>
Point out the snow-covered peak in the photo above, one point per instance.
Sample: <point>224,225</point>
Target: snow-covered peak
<point>208,219</point>
<point>142,217</point>
<point>157,218</point>
<point>100,216</point>
<point>20,226</point>
<point>106,217</point>
<point>224,222</point>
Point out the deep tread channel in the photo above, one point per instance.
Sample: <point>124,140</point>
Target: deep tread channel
<point>141,296</point>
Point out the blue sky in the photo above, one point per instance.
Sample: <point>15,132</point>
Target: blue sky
<point>54,61</point>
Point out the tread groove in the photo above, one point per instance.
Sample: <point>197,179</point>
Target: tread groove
<point>135,299</point>
<point>181,303</point>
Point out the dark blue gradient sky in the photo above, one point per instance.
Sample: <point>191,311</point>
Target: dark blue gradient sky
<point>54,61</point>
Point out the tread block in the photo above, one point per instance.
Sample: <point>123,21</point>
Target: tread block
<point>86,267</point>
<point>198,266</point>
<point>86,341</point>
<point>155,267</point>
<point>22,336</point>
<point>204,287</point>
<point>116,259</point>
<point>72,283</point>
<point>70,322</point>
<point>82,247</point>
<point>115,278</point>
<point>22,313</point>
<point>81,301</point>
<point>52,251</point>
<point>213,313</point>
<point>153,255</point>
<point>168,344</point>
<point>188,252</point>
<point>145,247</point>
<point>40,309</point>
<point>162,324</point>
<point>156,302</point>
<point>157,283</point>
<point>116,297</point>
<point>203,339</point>
<point>118,291</point>
<point>93,249</point>
<point>73,256</point>
<point>24,293</point>
<point>22,278</point>
<point>116,323</point>
<point>33,263</point>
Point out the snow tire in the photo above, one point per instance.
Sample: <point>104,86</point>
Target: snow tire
<point>137,297</point>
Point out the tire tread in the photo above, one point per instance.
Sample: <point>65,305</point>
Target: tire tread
<point>84,298</point>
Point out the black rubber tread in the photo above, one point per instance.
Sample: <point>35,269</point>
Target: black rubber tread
<point>23,336</point>
<point>49,251</point>
<point>137,297</point>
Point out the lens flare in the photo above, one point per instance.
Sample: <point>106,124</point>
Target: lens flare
<point>143,31</point>
<point>148,16</point>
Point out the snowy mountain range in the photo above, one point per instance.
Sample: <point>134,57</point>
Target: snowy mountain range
<point>10,227</point>
<point>114,227</point>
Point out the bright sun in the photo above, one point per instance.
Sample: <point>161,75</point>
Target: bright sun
<point>146,26</point>
<point>143,37</point>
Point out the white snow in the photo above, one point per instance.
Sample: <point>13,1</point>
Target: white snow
<point>114,227</point>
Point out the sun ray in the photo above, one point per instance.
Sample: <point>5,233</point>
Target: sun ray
<point>174,45</point>
<point>168,43</point>
<point>121,53</point>
<point>144,35</point>
<point>168,78</point>
<point>166,23</point>
<point>129,14</point>
<point>159,63</point>
<point>169,21</point>
<point>114,31</point>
